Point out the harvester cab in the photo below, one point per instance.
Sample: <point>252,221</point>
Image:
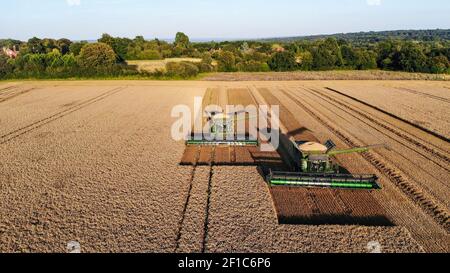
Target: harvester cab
<point>314,167</point>
<point>222,131</point>
<point>313,158</point>
<point>220,124</point>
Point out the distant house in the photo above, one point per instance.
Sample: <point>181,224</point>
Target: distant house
<point>11,53</point>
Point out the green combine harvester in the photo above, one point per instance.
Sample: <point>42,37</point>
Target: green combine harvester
<point>314,167</point>
<point>222,125</point>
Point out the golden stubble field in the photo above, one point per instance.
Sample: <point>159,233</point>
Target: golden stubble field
<point>94,162</point>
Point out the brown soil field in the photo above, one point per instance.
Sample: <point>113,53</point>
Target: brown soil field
<point>94,162</point>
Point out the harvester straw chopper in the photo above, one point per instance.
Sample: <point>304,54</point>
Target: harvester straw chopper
<point>222,131</point>
<point>314,166</point>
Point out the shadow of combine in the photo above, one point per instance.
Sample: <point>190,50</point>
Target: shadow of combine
<point>298,131</point>
<point>336,219</point>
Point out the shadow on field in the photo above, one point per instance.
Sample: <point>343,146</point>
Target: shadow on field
<point>335,219</point>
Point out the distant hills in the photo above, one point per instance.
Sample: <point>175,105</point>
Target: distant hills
<point>354,37</point>
<point>373,36</point>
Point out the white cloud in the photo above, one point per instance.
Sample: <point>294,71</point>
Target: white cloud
<point>73,2</point>
<point>373,2</point>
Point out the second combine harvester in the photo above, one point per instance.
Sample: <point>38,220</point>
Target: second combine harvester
<point>314,166</point>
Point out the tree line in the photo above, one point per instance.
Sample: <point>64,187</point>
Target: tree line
<point>49,58</point>
<point>376,36</point>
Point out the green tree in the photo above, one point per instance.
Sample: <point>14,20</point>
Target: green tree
<point>323,59</point>
<point>182,69</point>
<point>177,51</point>
<point>206,58</point>
<point>293,47</point>
<point>49,45</point>
<point>63,45</point>
<point>204,67</point>
<point>305,60</point>
<point>256,56</point>
<point>253,66</point>
<point>349,56</point>
<point>106,39</point>
<point>412,58</point>
<point>5,67</point>
<point>231,47</point>
<point>182,40</point>
<point>166,53</point>
<point>365,60</point>
<point>283,61</point>
<point>54,59</point>
<point>227,61</point>
<point>119,45</point>
<point>97,56</point>
<point>439,64</point>
<point>139,41</point>
<point>150,54</point>
<point>332,45</point>
<point>69,60</point>
<point>133,52</point>
<point>388,55</point>
<point>35,63</point>
<point>75,48</point>
<point>36,46</point>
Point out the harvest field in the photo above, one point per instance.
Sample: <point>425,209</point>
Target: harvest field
<point>94,162</point>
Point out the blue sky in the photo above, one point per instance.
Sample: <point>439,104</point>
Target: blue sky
<point>88,19</point>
